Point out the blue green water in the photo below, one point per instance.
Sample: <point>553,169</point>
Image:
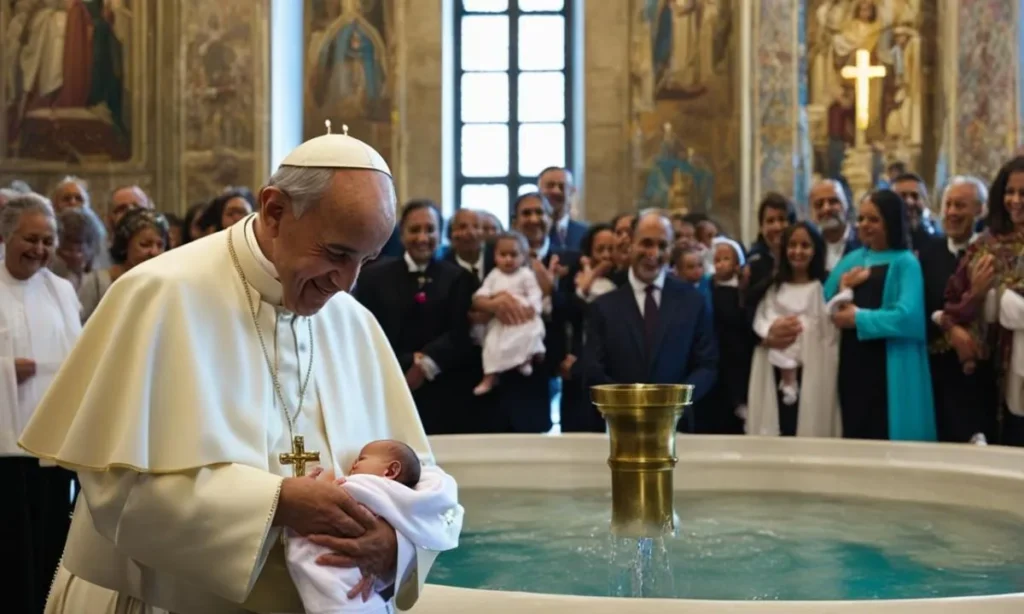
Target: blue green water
<point>736,546</point>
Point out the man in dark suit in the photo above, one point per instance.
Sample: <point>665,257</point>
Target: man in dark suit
<point>655,329</point>
<point>830,211</point>
<point>556,184</point>
<point>466,246</point>
<point>524,401</point>
<point>422,304</point>
<point>965,404</point>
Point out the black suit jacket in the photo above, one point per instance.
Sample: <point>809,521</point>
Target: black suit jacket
<point>436,325</point>
<point>686,351</point>
<point>937,266</point>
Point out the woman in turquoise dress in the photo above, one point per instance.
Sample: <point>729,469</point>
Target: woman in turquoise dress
<point>885,387</point>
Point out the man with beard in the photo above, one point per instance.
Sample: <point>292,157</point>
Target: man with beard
<point>964,402</point>
<point>655,329</point>
<point>557,186</point>
<point>524,401</point>
<point>913,191</point>
<point>829,210</point>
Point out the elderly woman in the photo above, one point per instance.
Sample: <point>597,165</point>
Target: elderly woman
<point>140,235</point>
<point>984,310</point>
<point>38,326</point>
<point>885,387</point>
<point>81,235</point>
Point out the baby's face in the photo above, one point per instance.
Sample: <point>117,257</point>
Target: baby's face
<point>376,459</point>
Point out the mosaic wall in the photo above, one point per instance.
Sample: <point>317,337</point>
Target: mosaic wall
<point>987,86</point>
<point>777,70</point>
<point>684,103</point>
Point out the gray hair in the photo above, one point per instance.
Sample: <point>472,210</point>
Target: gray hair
<point>304,185</point>
<point>838,187</point>
<point>81,183</point>
<point>10,215</point>
<point>980,191</point>
<point>81,226</point>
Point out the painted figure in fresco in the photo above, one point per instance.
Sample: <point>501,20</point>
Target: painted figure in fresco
<point>349,64</point>
<point>65,79</point>
<point>683,44</point>
<point>841,130</point>
<point>678,182</point>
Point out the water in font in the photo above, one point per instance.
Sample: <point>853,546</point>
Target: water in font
<point>736,546</point>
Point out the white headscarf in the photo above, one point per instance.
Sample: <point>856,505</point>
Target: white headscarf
<point>733,244</point>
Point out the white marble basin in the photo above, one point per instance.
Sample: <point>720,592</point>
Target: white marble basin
<point>986,477</point>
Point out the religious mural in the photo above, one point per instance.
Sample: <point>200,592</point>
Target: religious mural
<point>900,37</point>
<point>349,72</point>
<point>224,45</point>
<point>684,88</point>
<point>67,79</point>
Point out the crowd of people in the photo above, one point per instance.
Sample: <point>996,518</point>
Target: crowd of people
<point>869,321</point>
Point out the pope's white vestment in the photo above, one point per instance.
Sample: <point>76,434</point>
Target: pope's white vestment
<point>167,410</point>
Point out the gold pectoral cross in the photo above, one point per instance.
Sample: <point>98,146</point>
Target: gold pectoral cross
<point>299,457</point>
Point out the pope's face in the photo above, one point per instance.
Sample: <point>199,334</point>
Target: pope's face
<point>321,253</point>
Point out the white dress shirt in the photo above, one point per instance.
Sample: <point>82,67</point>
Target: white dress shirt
<point>834,251</point>
<point>473,267</point>
<point>640,289</point>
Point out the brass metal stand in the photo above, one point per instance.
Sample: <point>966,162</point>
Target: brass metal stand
<point>642,422</point>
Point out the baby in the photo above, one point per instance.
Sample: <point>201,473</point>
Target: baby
<point>387,478</point>
<point>510,346</point>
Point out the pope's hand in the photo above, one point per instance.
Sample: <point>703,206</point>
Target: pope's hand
<point>319,507</point>
<point>375,552</point>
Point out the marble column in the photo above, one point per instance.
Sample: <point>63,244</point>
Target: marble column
<point>779,86</point>
<point>985,97</point>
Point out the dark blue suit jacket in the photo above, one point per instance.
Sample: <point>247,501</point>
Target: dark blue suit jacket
<point>573,236</point>
<point>686,351</point>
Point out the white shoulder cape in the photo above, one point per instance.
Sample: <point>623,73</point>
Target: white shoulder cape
<point>169,375</point>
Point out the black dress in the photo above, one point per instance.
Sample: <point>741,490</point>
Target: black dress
<point>863,390</point>
<point>735,346</point>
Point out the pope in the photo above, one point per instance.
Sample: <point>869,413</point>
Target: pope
<point>213,377</point>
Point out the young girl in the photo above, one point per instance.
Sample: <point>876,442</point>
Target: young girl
<point>807,369</point>
<point>734,338</point>
<point>688,263</point>
<point>510,346</point>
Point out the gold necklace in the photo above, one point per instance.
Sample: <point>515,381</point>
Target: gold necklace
<point>298,457</point>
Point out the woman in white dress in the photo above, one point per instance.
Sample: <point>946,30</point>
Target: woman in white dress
<point>510,346</point>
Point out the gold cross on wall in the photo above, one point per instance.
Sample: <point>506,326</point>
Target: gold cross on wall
<point>299,457</point>
<point>862,73</point>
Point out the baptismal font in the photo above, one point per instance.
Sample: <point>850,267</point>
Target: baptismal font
<point>642,422</point>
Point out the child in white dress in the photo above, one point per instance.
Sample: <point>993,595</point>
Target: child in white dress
<point>510,346</point>
<point>796,293</point>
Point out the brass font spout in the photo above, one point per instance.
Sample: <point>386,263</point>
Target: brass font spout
<point>642,422</point>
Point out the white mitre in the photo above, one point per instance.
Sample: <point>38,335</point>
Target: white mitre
<point>336,151</point>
